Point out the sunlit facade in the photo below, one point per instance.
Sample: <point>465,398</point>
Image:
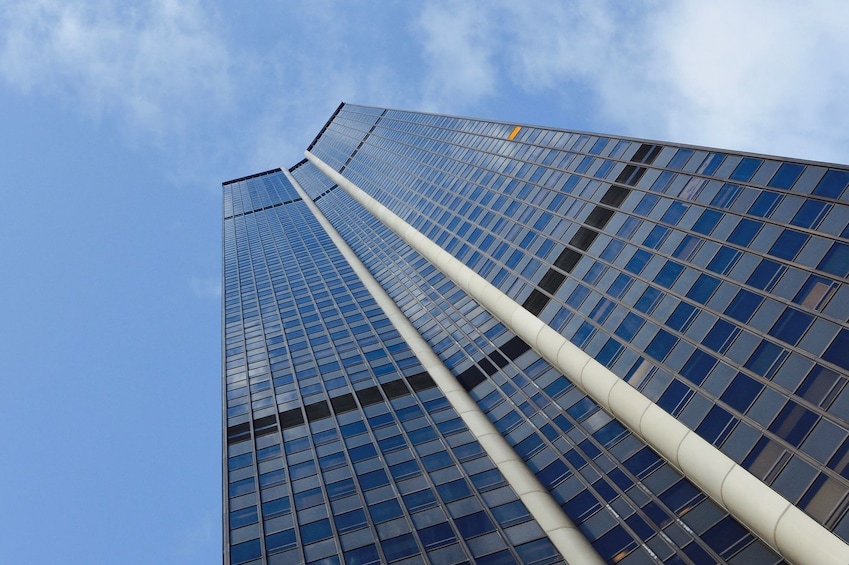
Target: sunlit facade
<point>709,287</point>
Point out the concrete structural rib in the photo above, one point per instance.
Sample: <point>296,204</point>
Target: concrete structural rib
<point>566,537</point>
<point>787,529</point>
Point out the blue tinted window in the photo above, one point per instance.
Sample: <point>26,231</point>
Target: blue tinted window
<point>766,204</point>
<point>680,318</point>
<point>397,548</point>
<point>638,262</point>
<point>488,480</point>
<point>674,213</point>
<point>578,296</point>
<point>643,462</point>
<point>350,520</point>
<point>680,159</point>
<point>663,180</point>
<point>620,285</point>
<point>651,296</point>
<point>581,506</point>
<point>454,490</point>
<point>363,555</point>
<point>436,461</point>
<point>766,274</point>
<point>688,247</point>
<point>707,221</point>
<point>280,541</point>
<point>419,500</point>
<point>746,169</point>
<point>810,214</point>
<point>764,358</point>
<point>716,426</point>
<point>584,333</point>
<point>610,432</point>
<point>703,288</point>
<point>786,175</point>
<point>341,488</point>
<point>612,250</point>
<point>474,525</point>
<point>832,183</point>
<point>241,487</point>
<point>836,261</point>
<point>741,392</point>
<point>510,514</point>
<point>646,204</point>
<point>791,326</point>
<point>720,336</point>
<point>675,397</point>
<point>696,369</point>
<point>629,326</point>
<point>243,552</point>
<point>609,352</point>
<point>656,237</point>
<point>744,305</point>
<point>712,163</point>
<point>385,510</point>
<point>680,495</point>
<point>276,507</point>
<point>373,479</point>
<point>309,498</point>
<point>793,423</point>
<point>362,452</point>
<point>838,351</point>
<point>726,195</point>
<point>240,461</point>
<point>436,536</point>
<point>788,244</point>
<point>668,274</point>
<point>661,345</point>
<point>243,517</point>
<point>723,260</point>
<point>555,473</point>
<point>405,469</point>
<point>744,232</point>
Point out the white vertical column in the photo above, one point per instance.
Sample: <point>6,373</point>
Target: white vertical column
<point>781,525</point>
<point>569,541</point>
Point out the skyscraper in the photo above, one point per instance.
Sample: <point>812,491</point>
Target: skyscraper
<point>452,340</point>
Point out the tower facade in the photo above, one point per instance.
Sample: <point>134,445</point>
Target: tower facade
<point>451,340</point>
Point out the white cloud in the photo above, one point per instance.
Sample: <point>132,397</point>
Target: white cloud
<point>759,75</point>
<point>153,65</point>
<point>459,41</point>
<point>762,75</point>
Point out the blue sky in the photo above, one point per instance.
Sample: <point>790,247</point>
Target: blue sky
<point>118,123</point>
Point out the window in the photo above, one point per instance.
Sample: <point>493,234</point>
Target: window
<point>788,244</point>
<point>832,184</point>
<point>741,392</point>
<point>786,175</point>
<point>791,325</point>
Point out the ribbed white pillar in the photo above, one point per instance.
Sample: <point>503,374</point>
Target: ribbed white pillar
<point>788,530</point>
<point>566,537</point>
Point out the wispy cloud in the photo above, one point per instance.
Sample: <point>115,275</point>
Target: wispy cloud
<point>757,75</point>
<point>459,42</point>
<point>154,64</point>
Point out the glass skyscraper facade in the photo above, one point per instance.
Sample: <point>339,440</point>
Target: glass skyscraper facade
<point>706,289</point>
